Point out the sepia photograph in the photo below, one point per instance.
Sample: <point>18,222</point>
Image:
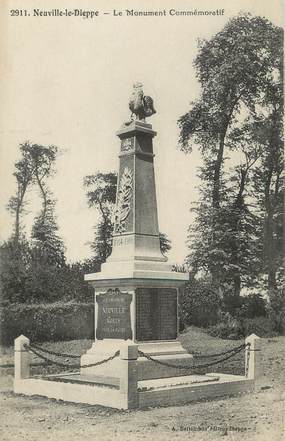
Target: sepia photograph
<point>141,220</point>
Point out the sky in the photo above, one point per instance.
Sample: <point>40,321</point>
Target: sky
<point>66,81</point>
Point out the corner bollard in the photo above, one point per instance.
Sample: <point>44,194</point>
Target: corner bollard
<point>21,358</point>
<point>253,358</point>
<point>129,375</point>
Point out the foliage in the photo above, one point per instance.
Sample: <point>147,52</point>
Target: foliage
<point>250,306</point>
<point>47,245</point>
<point>253,305</point>
<point>236,236</point>
<point>234,250</point>
<point>199,304</point>
<point>28,275</point>
<point>101,194</point>
<point>234,329</point>
<point>36,270</point>
<point>269,186</point>
<point>228,328</point>
<point>47,322</point>
<point>276,309</point>
<point>261,326</point>
<point>35,166</point>
<point>15,264</point>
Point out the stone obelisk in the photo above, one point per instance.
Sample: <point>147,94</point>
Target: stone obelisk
<point>136,293</point>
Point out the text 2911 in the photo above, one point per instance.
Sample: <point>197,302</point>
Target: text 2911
<point>19,12</point>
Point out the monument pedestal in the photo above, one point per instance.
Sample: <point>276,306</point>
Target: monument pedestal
<point>136,293</point>
<point>141,311</point>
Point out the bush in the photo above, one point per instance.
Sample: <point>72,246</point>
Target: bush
<point>27,276</point>
<point>261,326</point>
<point>234,329</point>
<point>228,328</point>
<point>276,310</point>
<point>199,304</point>
<point>253,305</point>
<point>47,322</point>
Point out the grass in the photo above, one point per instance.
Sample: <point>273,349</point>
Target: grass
<point>194,340</point>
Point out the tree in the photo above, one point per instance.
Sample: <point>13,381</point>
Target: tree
<point>269,183</point>
<point>101,194</point>
<point>15,267</point>
<point>46,242</point>
<point>234,69</point>
<point>34,270</point>
<point>35,165</point>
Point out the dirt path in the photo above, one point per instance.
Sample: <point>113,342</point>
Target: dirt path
<point>257,416</point>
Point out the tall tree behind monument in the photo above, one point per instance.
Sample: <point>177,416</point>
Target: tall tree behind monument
<point>236,69</point>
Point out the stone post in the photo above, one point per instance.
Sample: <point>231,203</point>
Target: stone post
<point>21,358</point>
<point>129,375</point>
<point>253,364</point>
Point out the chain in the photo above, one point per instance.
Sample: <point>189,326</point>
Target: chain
<point>218,354</point>
<point>232,352</point>
<point>58,354</point>
<point>12,365</point>
<point>164,363</point>
<point>73,366</point>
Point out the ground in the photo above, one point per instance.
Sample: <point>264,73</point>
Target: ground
<point>256,416</point>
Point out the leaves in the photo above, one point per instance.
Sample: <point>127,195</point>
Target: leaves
<point>237,225</point>
<point>101,195</point>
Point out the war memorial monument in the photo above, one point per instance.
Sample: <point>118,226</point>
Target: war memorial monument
<point>136,359</point>
<point>136,291</point>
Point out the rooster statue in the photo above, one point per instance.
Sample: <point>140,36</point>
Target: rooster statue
<point>139,104</point>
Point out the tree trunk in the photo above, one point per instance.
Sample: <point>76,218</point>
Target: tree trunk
<point>269,232</point>
<point>20,198</point>
<point>217,173</point>
<point>238,205</point>
<point>44,195</point>
<point>216,197</point>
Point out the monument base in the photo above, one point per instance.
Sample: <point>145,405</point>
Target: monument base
<point>170,352</point>
<point>137,303</point>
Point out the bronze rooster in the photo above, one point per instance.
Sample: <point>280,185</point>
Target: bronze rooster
<point>140,105</point>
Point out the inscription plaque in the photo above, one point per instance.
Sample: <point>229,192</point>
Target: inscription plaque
<point>156,314</point>
<point>114,317</point>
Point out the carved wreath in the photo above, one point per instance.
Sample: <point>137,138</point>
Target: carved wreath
<point>124,199</point>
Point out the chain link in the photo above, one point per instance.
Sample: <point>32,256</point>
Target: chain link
<point>193,366</point>
<point>58,354</point>
<point>72,366</point>
<point>218,354</point>
<point>230,353</point>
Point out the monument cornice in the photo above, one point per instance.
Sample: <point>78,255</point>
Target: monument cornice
<point>134,128</point>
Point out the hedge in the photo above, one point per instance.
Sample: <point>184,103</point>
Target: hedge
<point>47,322</point>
